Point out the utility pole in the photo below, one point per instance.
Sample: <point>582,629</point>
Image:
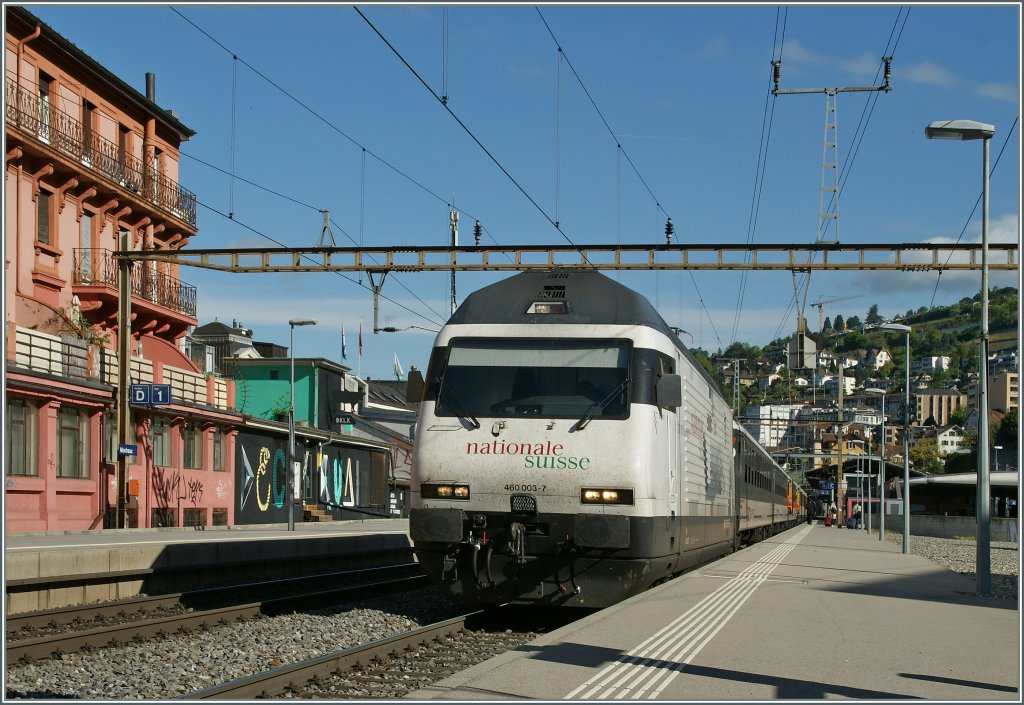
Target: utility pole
<point>124,337</point>
<point>829,165</point>
<point>453,222</point>
<point>840,434</point>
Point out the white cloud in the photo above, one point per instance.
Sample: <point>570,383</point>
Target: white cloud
<point>930,73</point>
<point>952,283</point>
<point>999,91</point>
<point>866,64</point>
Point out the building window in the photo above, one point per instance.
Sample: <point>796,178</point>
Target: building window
<point>72,442</point>
<point>88,113</point>
<point>110,438</point>
<point>160,438</point>
<point>21,439</point>
<point>46,88</point>
<point>193,438</point>
<point>43,217</point>
<point>217,438</point>
<point>85,253</point>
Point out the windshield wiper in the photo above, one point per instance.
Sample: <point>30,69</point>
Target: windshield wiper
<point>592,410</point>
<point>457,405</point>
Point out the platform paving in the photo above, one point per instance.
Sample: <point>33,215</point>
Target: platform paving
<point>814,613</point>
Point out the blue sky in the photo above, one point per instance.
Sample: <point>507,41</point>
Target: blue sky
<point>685,89</point>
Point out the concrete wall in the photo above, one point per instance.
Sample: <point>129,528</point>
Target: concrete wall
<point>950,527</point>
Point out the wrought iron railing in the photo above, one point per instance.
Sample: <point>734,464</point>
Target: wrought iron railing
<point>98,267</point>
<point>67,135</point>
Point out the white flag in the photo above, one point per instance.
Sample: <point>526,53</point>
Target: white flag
<point>398,368</point>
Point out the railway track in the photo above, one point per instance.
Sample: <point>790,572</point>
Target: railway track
<point>294,594</point>
<point>397,665</point>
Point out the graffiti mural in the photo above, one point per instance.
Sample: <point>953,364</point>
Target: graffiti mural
<point>346,482</point>
<point>260,467</point>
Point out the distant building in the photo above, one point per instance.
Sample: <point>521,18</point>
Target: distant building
<point>1005,360</point>
<point>937,405</point>
<point>876,358</point>
<point>769,423</point>
<point>929,365</point>
<point>1004,391</point>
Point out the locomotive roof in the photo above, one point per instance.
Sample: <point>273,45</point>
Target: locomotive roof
<point>590,297</point>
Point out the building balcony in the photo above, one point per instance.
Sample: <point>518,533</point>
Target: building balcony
<point>160,303</point>
<point>56,131</point>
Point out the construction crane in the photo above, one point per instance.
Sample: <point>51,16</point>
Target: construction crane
<point>821,304</point>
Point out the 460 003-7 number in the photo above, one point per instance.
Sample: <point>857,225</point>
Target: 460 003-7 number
<point>525,488</point>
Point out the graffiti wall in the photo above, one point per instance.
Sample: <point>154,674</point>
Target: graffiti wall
<point>351,483</point>
<point>343,481</point>
<point>261,464</point>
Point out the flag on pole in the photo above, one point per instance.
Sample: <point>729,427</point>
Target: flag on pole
<point>398,368</point>
<point>344,348</point>
<point>360,339</point>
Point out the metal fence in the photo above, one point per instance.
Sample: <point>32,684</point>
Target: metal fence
<point>98,267</point>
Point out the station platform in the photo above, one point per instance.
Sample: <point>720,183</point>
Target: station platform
<point>115,564</point>
<point>814,613</point>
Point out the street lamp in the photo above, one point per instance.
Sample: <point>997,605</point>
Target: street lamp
<point>996,460</point>
<point>971,130</point>
<point>906,436</point>
<point>290,478</point>
<point>881,474</point>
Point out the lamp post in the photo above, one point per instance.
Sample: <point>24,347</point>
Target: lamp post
<point>995,461</point>
<point>906,435</point>
<point>290,478</point>
<point>971,130</point>
<point>881,474</point>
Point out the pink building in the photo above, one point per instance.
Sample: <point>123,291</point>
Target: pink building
<point>87,157</point>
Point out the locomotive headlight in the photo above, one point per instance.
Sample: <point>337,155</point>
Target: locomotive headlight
<point>606,495</point>
<point>444,491</point>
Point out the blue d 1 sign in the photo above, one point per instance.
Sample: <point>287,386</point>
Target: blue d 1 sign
<point>161,394</point>
<point>140,393</point>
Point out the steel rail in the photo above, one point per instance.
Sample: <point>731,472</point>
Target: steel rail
<point>45,647</point>
<point>272,682</point>
<point>224,594</point>
<point>713,257</point>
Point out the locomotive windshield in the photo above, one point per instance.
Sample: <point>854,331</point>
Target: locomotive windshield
<point>549,378</point>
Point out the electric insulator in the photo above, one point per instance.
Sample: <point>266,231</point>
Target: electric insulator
<point>668,231</point>
<point>776,65</point>
<point>476,233</point>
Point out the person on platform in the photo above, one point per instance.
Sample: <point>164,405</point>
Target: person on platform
<point>856,515</point>
<point>833,514</point>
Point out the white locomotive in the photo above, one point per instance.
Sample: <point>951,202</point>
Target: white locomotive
<point>571,451</point>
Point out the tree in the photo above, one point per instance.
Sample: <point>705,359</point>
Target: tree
<point>828,324</point>
<point>959,415</point>
<point>853,323</point>
<point>873,318</point>
<point>839,324</point>
<point>925,455</point>
<point>1009,429</point>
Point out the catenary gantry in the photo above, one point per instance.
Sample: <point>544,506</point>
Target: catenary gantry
<point>821,256</point>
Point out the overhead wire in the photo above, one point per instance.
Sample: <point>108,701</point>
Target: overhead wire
<point>315,114</point>
<point>861,130</point>
<point>469,132</point>
<point>767,121</point>
<point>364,150</point>
<point>305,205</point>
<point>992,170</point>
<point>314,261</point>
<point>621,150</point>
